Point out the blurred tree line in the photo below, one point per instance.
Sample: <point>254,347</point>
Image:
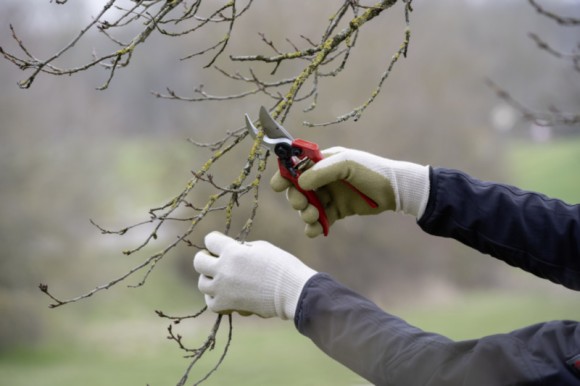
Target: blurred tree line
<point>70,153</point>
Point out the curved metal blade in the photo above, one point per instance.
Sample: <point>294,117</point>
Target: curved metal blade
<point>251,128</point>
<point>267,141</point>
<point>273,129</point>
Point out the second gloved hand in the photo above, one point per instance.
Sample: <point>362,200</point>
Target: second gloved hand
<point>251,278</point>
<point>393,185</point>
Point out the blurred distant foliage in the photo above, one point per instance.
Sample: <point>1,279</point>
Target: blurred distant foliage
<point>71,153</point>
<point>553,115</point>
<point>550,169</point>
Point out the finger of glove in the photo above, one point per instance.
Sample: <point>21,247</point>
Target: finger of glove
<point>296,199</point>
<point>333,150</point>
<point>217,242</point>
<point>279,183</point>
<point>206,286</point>
<point>313,227</point>
<point>205,264</point>
<point>313,230</point>
<point>211,303</point>
<point>310,215</point>
<point>228,312</point>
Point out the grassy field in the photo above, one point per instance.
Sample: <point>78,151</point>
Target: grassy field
<point>261,353</point>
<point>553,169</point>
<point>134,351</point>
<point>107,343</point>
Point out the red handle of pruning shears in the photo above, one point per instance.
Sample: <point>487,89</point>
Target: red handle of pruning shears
<point>310,151</point>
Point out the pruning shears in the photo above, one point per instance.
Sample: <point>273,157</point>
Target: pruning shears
<point>294,157</point>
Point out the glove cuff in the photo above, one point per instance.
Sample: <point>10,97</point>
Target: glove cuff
<point>289,288</point>
<point>413,187</point>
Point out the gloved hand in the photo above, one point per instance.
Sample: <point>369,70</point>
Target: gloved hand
<point>251,278</point>
<point>393,185</point>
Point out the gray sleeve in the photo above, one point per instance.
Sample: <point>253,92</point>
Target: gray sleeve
<point>386,350</point>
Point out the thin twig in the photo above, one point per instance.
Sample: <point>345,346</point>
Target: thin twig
<point>323,56</point>
<point>562,20</point>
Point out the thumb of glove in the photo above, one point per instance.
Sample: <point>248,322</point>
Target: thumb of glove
<point>324,172</point>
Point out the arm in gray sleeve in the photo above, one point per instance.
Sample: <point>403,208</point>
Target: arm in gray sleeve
<point>386,350</point>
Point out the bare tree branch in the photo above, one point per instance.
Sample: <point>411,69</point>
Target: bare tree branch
<point>552,116</point>
<point>574,57</point>
<point>311,58</point>
<point>562,20</point>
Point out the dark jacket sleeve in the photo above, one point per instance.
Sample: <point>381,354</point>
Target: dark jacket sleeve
<point>525,229</point>
<point>385,350</point>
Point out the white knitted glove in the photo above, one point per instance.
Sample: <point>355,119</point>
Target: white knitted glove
<point>393,185</point>
<point>251,278</point>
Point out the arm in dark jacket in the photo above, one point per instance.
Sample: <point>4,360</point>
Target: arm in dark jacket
<point>386,350</point>
<point>525,229</point>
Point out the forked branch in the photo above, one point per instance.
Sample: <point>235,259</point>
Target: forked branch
<point>311,59</point>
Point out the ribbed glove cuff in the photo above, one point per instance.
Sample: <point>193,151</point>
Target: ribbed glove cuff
<point>413,187</point>
<point>289,284</point>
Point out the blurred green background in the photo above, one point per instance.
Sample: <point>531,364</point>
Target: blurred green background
<point>70,153</point>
